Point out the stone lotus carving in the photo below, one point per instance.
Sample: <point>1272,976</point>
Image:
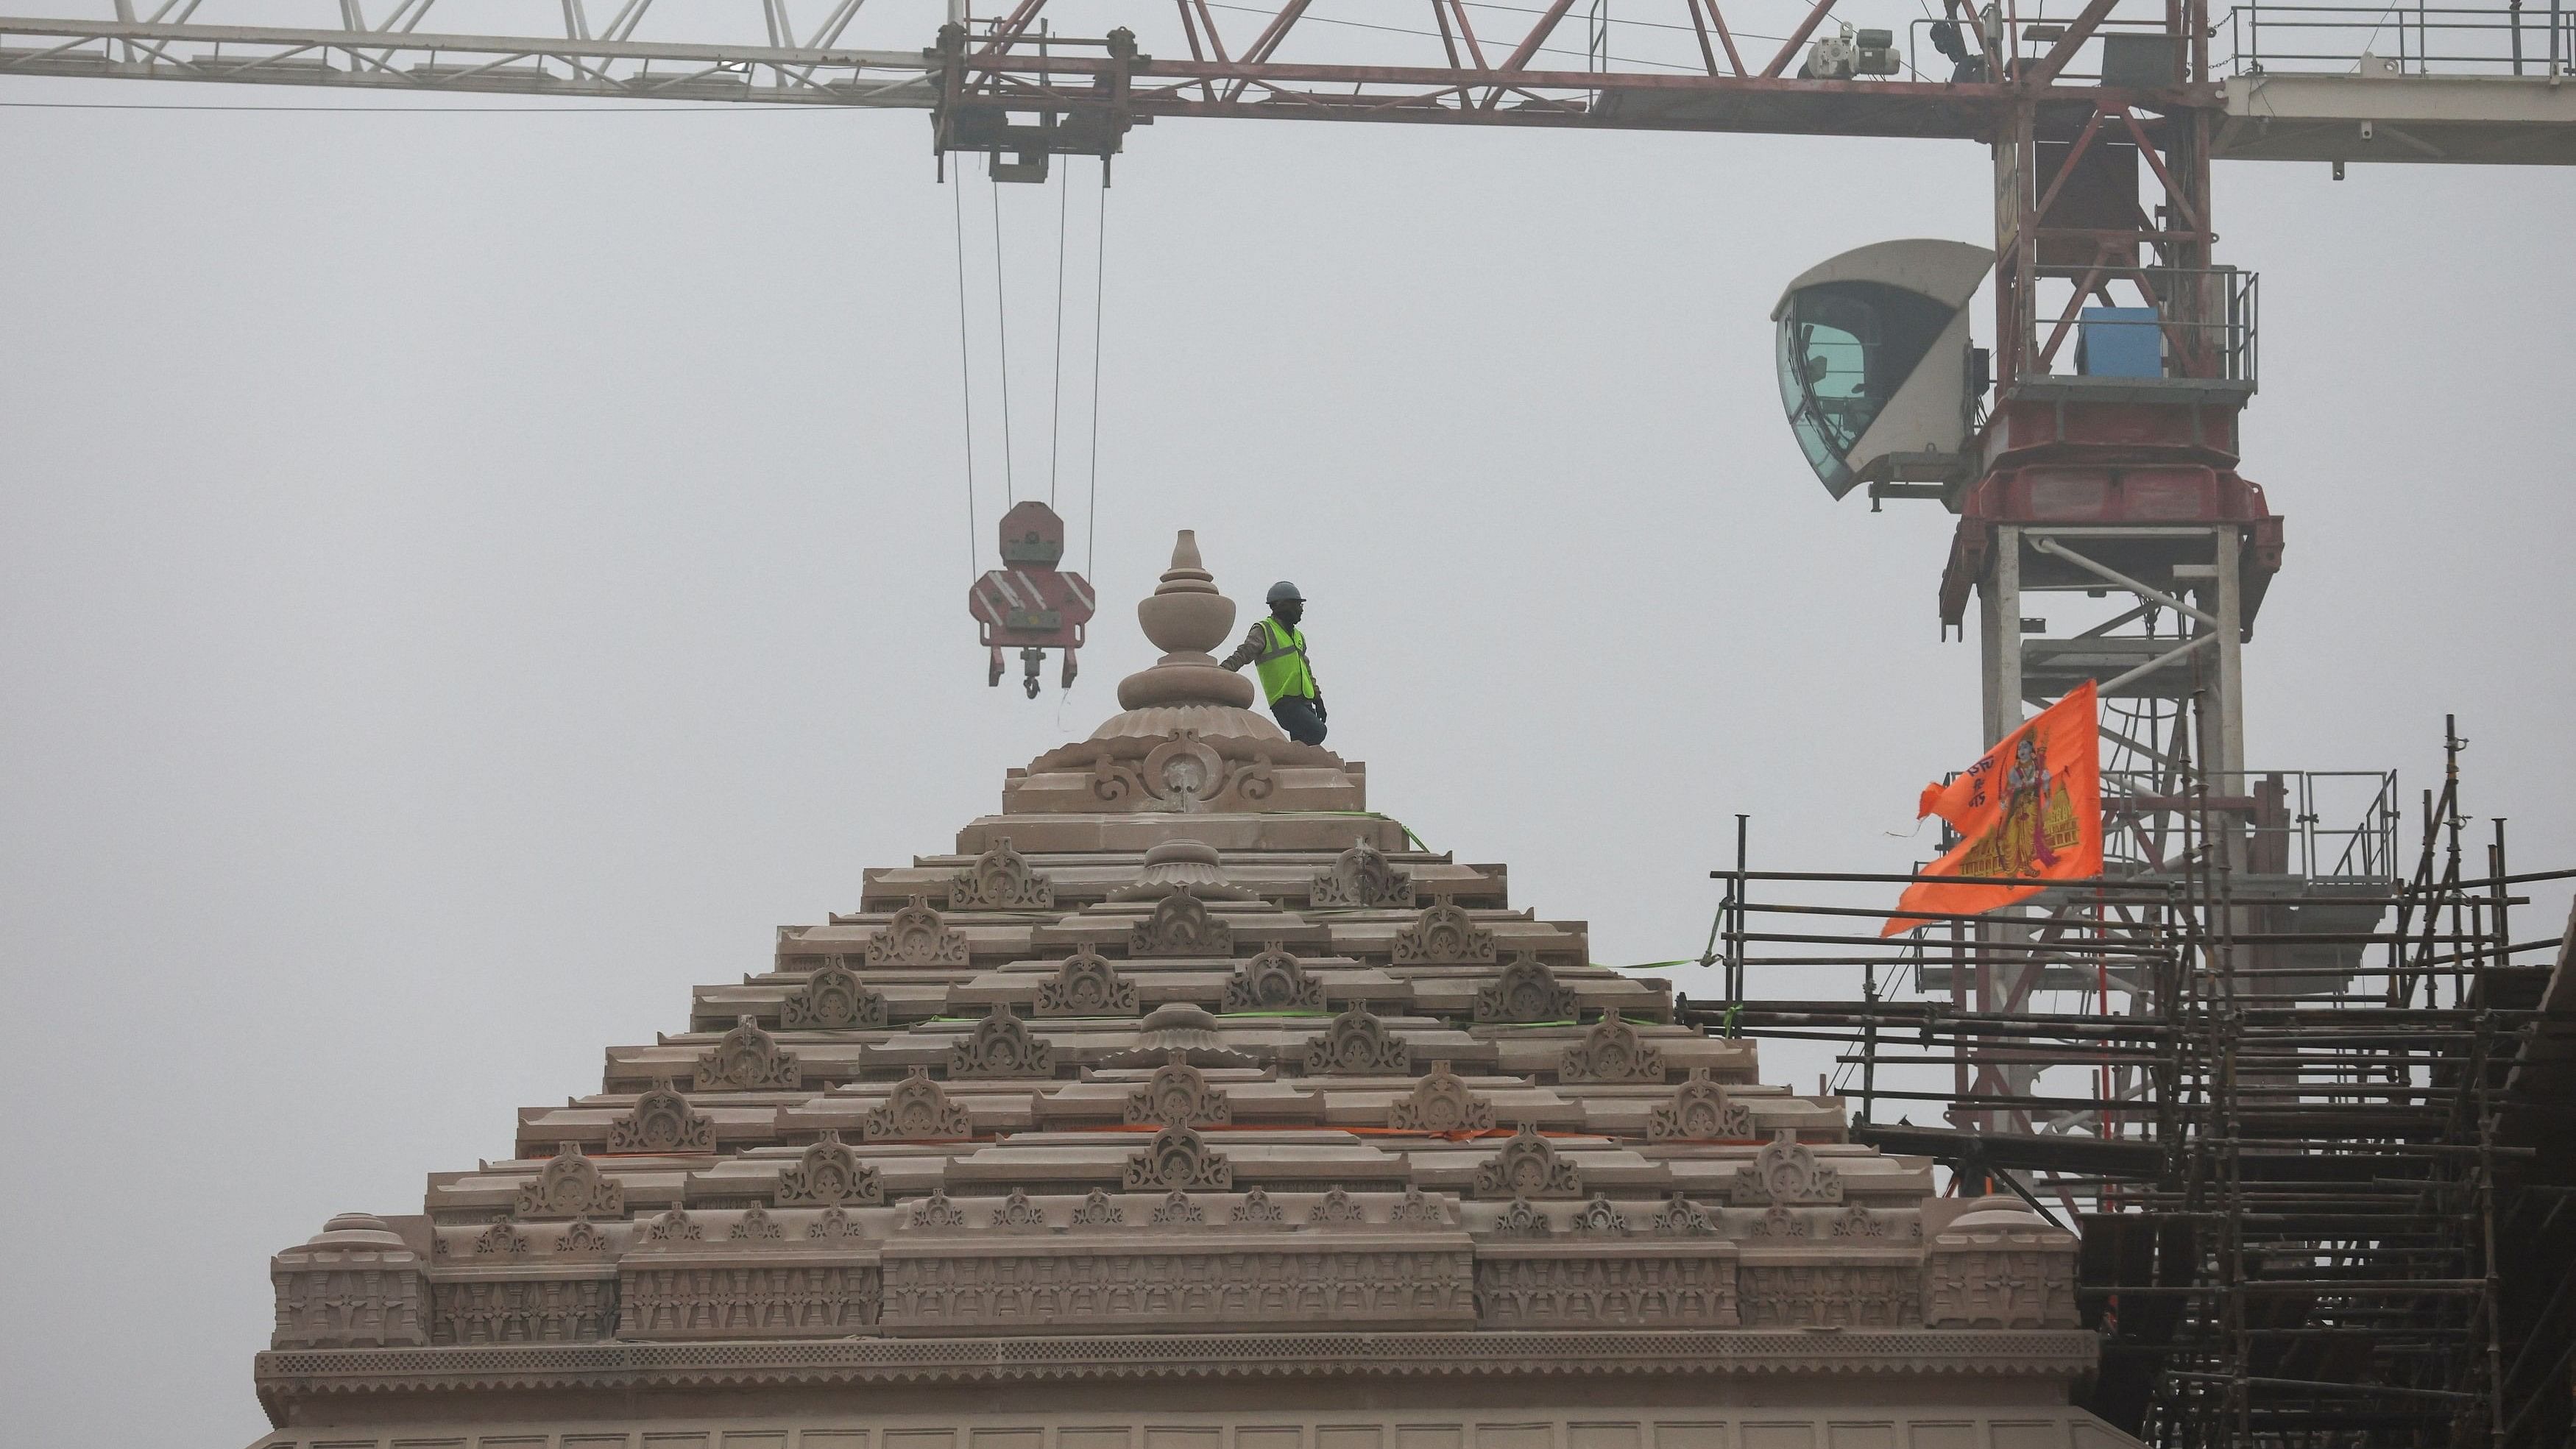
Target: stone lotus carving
<point>1182,773</point>
<point>1522,1220</point>
<point>1356,1044</point>
<point>1528,1166</point>
<point>916,936</point>
<point>1086,985</point>
<point>832,999</point>
<point>1272,981</point>
<point>1000,880</point>
<point>1700,1111</point>
<point>500,1241</point>
<point>569,1186</point>
<point>1177,1211</point>
<point>829,1174</point>
<point>1786,1172</point>
<point>1681,1218</point>
<point>747,1059</point>
<point>1178,1158</point>
<point>1440,1102</point>
<point>674,1226</point>
<point>1611,1051</point>
<point>917,1110</point>
<point>936,1214</point>
<point>1361,878</point>
<point>1444,935</point>
<point>756,1226</point>
<point>1257,1211</point>
<point>1019,1215</point>
<point>1601,1220</point>
<point>1178,1095</point>
<point>1097,1211</point>
<point>581,1240</point>
<point>1859,1222</point>
<point>1418,1209</point>
<point>1180,926</point>
<point>831,1226</point>
<point>1335,1210</point>
<point>662,1121</point>
<point>1525,991</point>
<point>1001,1046</point>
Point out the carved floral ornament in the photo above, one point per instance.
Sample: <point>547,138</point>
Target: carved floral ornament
<point>1179,1159</point>
<point>1000,880</point>
<point>662,1121</point>
<point>916,936</point>
<point>1086,985</point>
<point>570,1186</point>
<point>1335,1209</point>
<point>1274,980</point>
<point>829,1174</point>
<point>1785,1173</point>
<point>747,1059</point>
<point>1443,935</point>
<point>1611,1051</point>
<point>1700,1111</point>
<point>1441,1102</point>
<point>1528,1166</point>
<point>1357,1044</point>
<point>1180,926</point>
<point>1001,1046</point>
<point>1182,773</point>
<point>832,999</point>
<point>1526,991</point>
<point>1178,1095</point>
<point>1361,878</point>
<point>918,1110</point>
<point>1019,1215</point>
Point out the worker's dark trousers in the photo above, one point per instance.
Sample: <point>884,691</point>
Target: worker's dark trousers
<point>1297,716</point>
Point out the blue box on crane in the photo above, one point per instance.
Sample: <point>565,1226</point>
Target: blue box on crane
<point>2119,342</point>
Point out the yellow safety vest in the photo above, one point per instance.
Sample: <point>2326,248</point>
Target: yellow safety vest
<point>1283,668</point>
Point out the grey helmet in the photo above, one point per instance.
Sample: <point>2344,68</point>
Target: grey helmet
<point>1284,592</point>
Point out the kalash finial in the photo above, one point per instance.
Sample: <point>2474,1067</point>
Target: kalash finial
<point>1187,619</point>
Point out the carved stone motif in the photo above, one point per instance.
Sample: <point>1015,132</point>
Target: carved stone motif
<point>356,1284</point>
<point>1700,1111</point>
<point>581,1240</point>
<point>1859,1222</point>
<point>1178,1095</point>
<point>1177,1211</point>
<point>1019,1215</point>
<point>1000,880</point>
<point>1272,981</point>
<point>663,1121</point>
<point>547,1310</point>
<point>1826,1295</point>
<point>1786,1172</point>
<point>1444,935</point>
<point>1001,1046</point>
<point>500,1241</point>
<point>1257,1211</point>
<point>1335,1210</point>
<point>1097,1211</point>
<point>1111,1283</point>
<point>916,936</point>
<point>1357,1044</point>
<point>1680,1218</point>
<point>1600,1219</point>
<point>1180,926</point>
<point>1440,1102</point>
<point>1999,1266</point>
<point>738,1299</point>
<point>829,1174</point>
<point>918,1110</point>
<point>1183,773</point>
<point>1611,1051</point>
<point>1525,991</point>
<point>1418,1209</point>
<point>1556,1291</point>
<point>937,1214</point>
<point>832,999</point>
<point>1521,1220</point>
<point>1180,1159</point>
<point>756,1226</point>
<point>832,1226</point>
<point>1527,1166</point>
<point>747,1059</point>
<point>1781,1222</point>
<point>674,1226</point>
<point>1361,878</point>
<point>1086,985</point>
<point>569,1186</point>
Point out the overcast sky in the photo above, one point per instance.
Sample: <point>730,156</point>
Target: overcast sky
<point>467,577</point>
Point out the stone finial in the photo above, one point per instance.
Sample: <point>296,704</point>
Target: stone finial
<point>1188,620</point>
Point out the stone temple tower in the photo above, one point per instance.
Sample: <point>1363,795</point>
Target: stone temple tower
<point>1181,1106</point>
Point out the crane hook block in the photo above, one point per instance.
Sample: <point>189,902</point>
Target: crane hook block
<point>1028,603</point>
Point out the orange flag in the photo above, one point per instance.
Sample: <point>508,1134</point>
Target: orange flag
<point>2031,808</point>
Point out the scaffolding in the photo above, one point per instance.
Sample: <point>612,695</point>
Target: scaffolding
<point>2304,1111</point>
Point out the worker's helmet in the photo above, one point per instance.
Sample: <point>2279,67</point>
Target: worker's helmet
<point>1284,592</point>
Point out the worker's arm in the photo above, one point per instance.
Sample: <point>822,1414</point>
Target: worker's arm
<point>1252,647</point>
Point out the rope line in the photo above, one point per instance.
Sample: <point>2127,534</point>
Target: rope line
<point>965,373</point>
<point>1099,281</point>
<point>1055,405</point>
<point>1002,327</point>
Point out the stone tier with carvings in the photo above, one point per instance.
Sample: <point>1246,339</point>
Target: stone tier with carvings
<point>1179,1044</point>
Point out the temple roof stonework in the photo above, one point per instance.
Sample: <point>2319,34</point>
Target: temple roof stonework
<point>1198,1109</point>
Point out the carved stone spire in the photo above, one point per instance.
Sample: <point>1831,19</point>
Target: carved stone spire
<point>1188,620</point>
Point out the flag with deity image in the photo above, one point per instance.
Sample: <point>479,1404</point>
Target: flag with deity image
<point>2030,810</point>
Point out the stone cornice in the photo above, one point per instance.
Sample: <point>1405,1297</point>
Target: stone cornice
<point>286,1375</point>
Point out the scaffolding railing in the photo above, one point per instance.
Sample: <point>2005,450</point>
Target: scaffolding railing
<point>2534,39</point>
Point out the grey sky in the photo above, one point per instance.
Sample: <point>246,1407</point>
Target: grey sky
<point>466,578</point>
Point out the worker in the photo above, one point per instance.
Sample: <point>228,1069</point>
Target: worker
<point>1278,649</point>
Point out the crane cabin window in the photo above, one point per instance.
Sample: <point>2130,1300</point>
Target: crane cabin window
<point>1845,348</point>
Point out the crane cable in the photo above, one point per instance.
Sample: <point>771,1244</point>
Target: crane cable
<point>965,379</point>
<point>1002,331</point>
<point>1055,405</point>
<point>1099,285</point>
